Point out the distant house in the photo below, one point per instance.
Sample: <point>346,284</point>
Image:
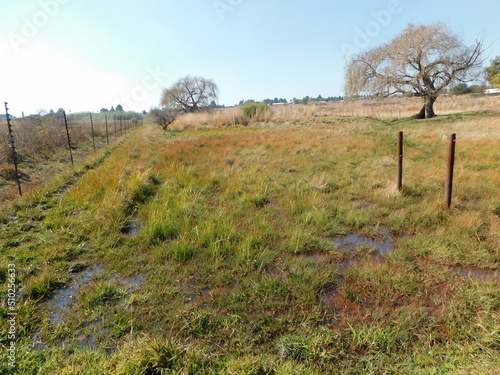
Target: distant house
<point>491,91</point>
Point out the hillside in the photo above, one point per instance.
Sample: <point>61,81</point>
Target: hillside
<point>266,249</point>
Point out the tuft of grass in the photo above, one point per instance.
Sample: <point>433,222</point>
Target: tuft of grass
<point>161,231</point>
<point>99,294</point>
<point>296,348</point>
<point>260,201</point>
<point>44,284</point>
<point>180,251</point>
<point>149,357</point>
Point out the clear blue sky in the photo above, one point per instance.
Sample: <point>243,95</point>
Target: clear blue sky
<point>83,55</point>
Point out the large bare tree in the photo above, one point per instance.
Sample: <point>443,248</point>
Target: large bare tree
<point>421,61</point>
<point>189,94</point>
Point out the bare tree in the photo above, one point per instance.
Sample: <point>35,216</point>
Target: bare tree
<point>163,116</point>
<point>421,61</point>
<point>189,94</point>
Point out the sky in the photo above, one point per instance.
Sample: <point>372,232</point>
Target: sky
<point>84,55</point>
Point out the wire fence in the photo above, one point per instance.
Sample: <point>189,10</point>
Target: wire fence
<point>38,139</point>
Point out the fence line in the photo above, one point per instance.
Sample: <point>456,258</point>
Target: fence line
<point>451,165</point>
<point>39,136</point>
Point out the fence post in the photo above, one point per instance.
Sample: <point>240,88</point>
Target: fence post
<point>92,130</point>
<point>121,126</point>
<point>400,160</point>
<point>451,166</point>
<point>13,148</point>
<point>68,137</point>
<point>107,133</point>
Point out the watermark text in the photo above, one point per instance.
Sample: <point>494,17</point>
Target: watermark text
<point>11,315</point>
<point>31,26</point>
<point>224,6</point>
<point>379,20</point>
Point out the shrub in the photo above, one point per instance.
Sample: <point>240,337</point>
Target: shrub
<point>251,109</point>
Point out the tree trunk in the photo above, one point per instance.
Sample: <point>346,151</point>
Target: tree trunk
<point>427,110</point>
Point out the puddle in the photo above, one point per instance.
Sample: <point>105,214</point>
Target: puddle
<point>475,274</point>
<point>192,292</point>
<point>329,293</point>
<point>353,241</point>
<point>135,282</point>
<point>131,228</point>
<point>338,305</point>
<point>321,257</point>
<point>87,341</point>
<point>468,272</point>
<point>349,244</point>
<point>362,205</point>
<point>37,343</point>
<point>132,283</point>
<point>59,305</point>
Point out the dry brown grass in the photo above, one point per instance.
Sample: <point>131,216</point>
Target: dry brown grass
<point>318,113</point>
<point>406,107</point>
<point>41,144</point>
<point>36,138</point>
<point>217,118</point>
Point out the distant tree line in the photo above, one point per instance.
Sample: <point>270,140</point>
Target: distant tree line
<point>463,88</point>
<point>214,105</point>
<point>129,115</point>
<point>304,100</point>
<point>319,99</point>
<point>118,108</point>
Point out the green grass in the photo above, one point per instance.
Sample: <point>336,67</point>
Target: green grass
<point>236,266</point>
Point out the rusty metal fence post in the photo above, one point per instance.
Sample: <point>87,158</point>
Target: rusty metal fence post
<point>13,149</point>
<point>68,137</point>
<point>451,166</point>
<point>400,160</point>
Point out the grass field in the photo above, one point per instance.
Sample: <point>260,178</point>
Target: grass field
<point>263,249</point>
